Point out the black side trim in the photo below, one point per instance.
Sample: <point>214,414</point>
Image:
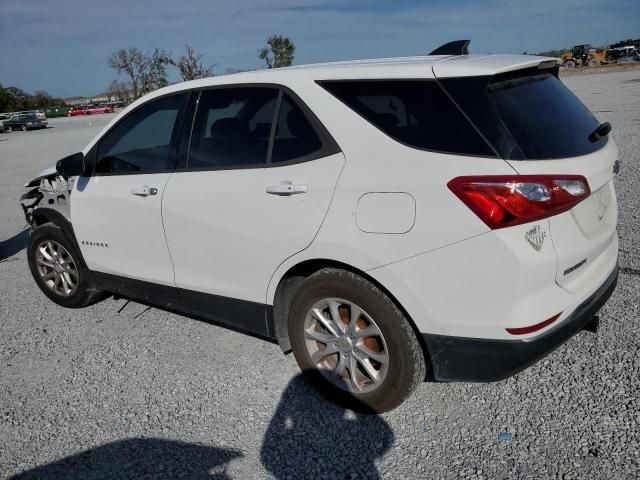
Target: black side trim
<point>242,315</point>
<point>457,47</point>
<point>484,360</point>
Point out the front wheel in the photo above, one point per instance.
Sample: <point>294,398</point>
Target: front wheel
<point>24,128</point>
<point>56,269</point>
<point>354,342</point>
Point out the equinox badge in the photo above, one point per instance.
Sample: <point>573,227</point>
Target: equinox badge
<point>536,237</point>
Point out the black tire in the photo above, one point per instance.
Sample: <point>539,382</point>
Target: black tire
<point>84,295</point>
<point>407,366</point>
<point>569,64</point>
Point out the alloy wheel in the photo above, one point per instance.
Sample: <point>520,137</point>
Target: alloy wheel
<point>57,268</point>
<point>346,345</point>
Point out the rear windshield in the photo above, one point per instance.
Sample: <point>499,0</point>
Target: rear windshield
<point>526,115</point>
<point>545,119</point>
<point>416,113</point>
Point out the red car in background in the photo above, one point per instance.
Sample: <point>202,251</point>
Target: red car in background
<point>93,109</point>
<point>89,110</point>
<point>76,111</point>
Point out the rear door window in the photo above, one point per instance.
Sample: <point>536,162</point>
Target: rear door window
<point>417,113</point>
<point>295,138</point>
<point>232,128</point>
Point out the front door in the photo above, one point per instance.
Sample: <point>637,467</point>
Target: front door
<point>116,212</point>
<point>261,174</point>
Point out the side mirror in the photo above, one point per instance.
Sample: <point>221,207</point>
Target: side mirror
<point>71,166</point>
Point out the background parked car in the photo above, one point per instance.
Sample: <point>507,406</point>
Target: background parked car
<point>27,121</point>
<point>94,109</point>
<point>79,110</point>
<point>3,126</point>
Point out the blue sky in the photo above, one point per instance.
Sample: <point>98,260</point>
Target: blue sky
<point>61,46</point>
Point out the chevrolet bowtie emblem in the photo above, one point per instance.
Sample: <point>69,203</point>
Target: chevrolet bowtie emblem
<point>536,237</point>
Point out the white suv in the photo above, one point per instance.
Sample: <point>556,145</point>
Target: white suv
<point>450,217</point>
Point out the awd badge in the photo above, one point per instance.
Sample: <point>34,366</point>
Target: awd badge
<point>536,237</point>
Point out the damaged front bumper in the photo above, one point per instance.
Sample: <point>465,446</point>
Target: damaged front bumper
<point>48,190</point>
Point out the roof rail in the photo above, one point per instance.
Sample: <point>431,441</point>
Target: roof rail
<point>457,47</point>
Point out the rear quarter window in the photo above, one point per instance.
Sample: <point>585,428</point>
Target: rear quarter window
<point>416,113</point>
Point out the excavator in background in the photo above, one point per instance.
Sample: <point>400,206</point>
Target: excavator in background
<point>582,56</point>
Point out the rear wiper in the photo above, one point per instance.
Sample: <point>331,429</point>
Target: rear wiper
<point>602,131</point>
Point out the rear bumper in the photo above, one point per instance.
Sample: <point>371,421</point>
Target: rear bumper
<point>486,360</point>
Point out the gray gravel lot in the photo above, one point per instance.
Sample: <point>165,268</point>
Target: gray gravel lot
<point>118,390</point>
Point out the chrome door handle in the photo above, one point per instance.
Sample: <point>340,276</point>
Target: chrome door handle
<point>144,191</point>
<point>287,188</point>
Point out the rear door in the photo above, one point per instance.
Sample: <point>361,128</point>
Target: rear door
<point>260,177</point>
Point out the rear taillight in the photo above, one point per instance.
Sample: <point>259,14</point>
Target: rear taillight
<point>507,200</point>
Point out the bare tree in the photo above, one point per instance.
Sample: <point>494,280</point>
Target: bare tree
<point>190,66</point>
<point>278,52</point>
<point>111,91</point>
<point>117,91</point>
<point>146,71</point>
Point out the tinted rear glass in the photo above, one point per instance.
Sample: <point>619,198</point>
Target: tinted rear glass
<point>545,119</point>
<point>295,138</point>
<point>417,113</point>
<point>232,127</point>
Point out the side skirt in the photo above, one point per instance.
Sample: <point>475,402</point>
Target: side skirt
<point>248,317</point>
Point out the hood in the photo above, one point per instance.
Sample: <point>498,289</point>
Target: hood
<point>49,172</point>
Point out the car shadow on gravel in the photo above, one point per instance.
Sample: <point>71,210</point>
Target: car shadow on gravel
<point>13,245</point>
<point>311,437</point>
<point>139,458</point>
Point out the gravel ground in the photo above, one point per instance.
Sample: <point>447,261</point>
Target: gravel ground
<point>119,390</point>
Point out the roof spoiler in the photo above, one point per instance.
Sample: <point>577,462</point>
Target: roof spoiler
<point>457,47</point>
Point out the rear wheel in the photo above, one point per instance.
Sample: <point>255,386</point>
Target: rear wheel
<point>594,62</point>
<point>56,269</point>
<point>353,341</point>
<point>569,64</point>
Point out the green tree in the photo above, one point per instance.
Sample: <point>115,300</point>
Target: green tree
<point>18,99</point>
<point>278,52</point>
<point>4,100</point>
<point>42,99</point>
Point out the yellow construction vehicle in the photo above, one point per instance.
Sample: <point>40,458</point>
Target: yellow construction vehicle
<point>582,56</point>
